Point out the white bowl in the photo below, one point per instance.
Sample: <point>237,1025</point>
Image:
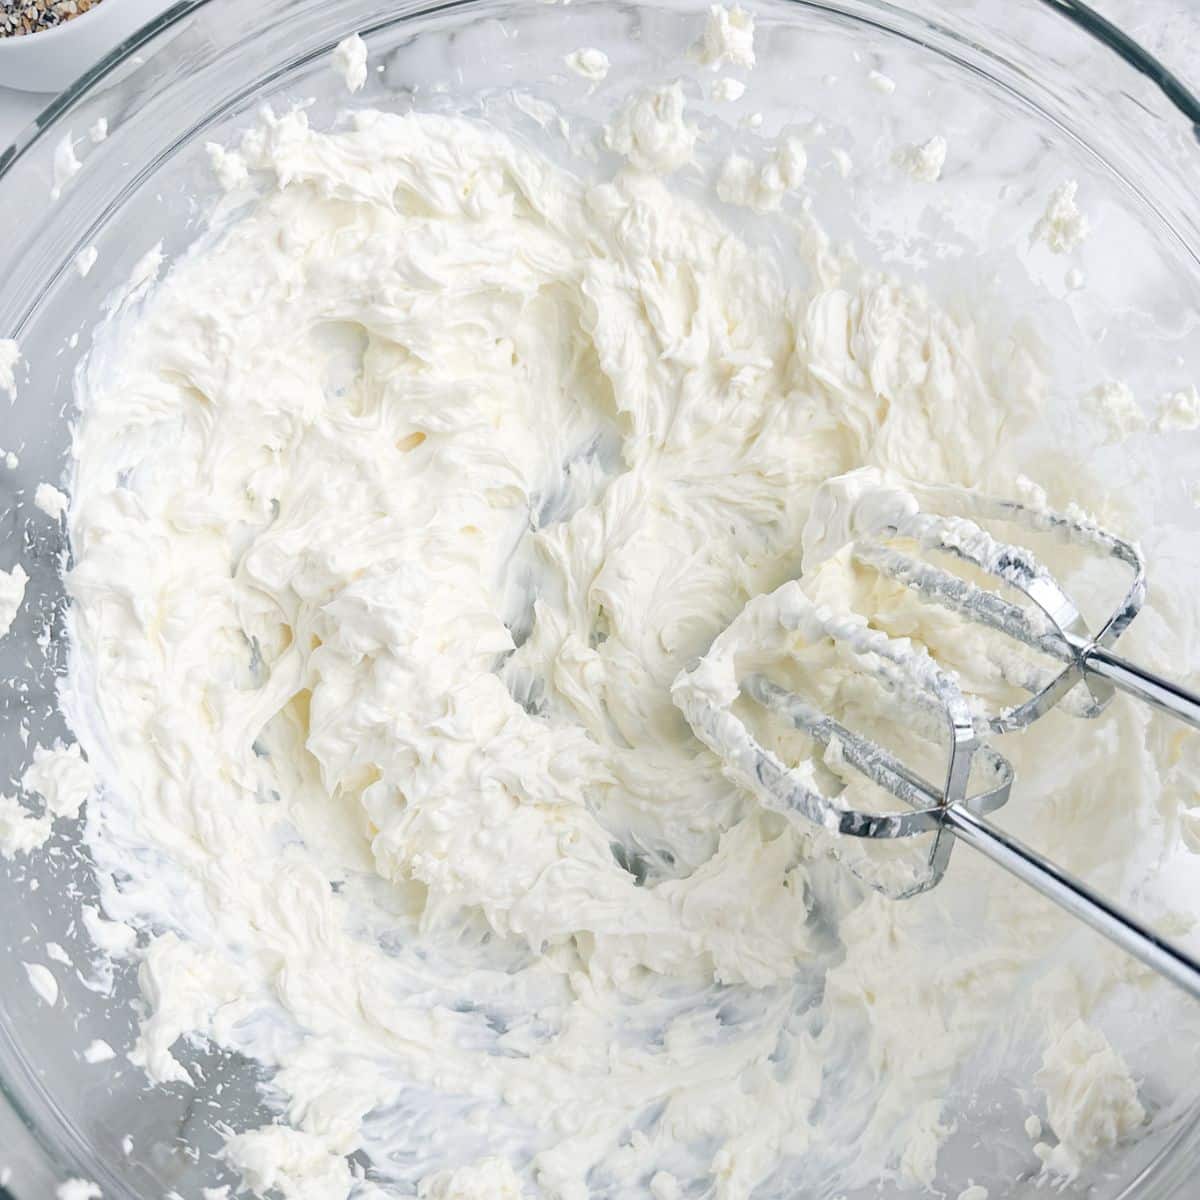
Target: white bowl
<point>48,61</point>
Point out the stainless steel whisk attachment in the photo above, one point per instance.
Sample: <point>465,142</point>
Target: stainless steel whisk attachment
<point>1081,677</point>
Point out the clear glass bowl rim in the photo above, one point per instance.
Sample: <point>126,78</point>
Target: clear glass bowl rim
<point>1103,31</point>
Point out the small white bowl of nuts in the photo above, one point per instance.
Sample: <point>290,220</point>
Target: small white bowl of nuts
<point>47,44</point>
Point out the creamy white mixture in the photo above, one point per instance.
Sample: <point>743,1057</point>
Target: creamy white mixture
<point>1064,225</point>
<point>729,90</point>
<point>85,260</point>
<point>924,160</point>
<point>12,592</point>
<point>590,63</point>
<point>66,165</point>
<point>78,1189</point>
<point>350,62</point>
<point>728,38</point>
<point>51,500</point>
<point>400,505</point>
<point>10,356</point>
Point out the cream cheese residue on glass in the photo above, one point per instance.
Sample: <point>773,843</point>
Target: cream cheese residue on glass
<point>78,1189</point>
<point>728,90</point>
<point>20,830</point>
<point>85,260</point>
<point>400,503</point>
<point>1063,226</point>
<point>12,593</point>
<point>62,778</point>
<point>885,85</point>
<point>51,500</point>
<point>1179,412</point>
<point>651,130</point>
<point>66,165</point>
<point>728,38</point>
<point>350,62</point>
<point>590,63</point>
<point>42,980</point>
<point>763,186</point>
<point>924,160</point>
<point>1120,415</point>
<point>10,356</point>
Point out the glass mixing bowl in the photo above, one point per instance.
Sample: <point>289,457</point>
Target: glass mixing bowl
<point>1028,93</point>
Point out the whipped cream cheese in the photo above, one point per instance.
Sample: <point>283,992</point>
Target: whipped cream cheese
<point>728,38</point>
<point>1120,415</point>
<point>85,260</point>
<point>1063,226</point>
<point>652,132</point>
<point>12,593</point>
<point>763,186</point>
<point>78,1189</point>
<point>42,980</point>
<point>1179,412</point>
<point>728,90</point>
<point>350,62</point>
<point>10,356</point>
<point>924,160</point>
<point>401,501</point>
<point>66,165</point>
<point>590,63</point>
<point>51,500</point>
<point>20,830</point>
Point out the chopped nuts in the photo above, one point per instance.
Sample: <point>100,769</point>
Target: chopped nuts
<point>33,16</point>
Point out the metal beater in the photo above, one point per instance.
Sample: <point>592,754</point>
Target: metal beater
<point>978,779</point>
